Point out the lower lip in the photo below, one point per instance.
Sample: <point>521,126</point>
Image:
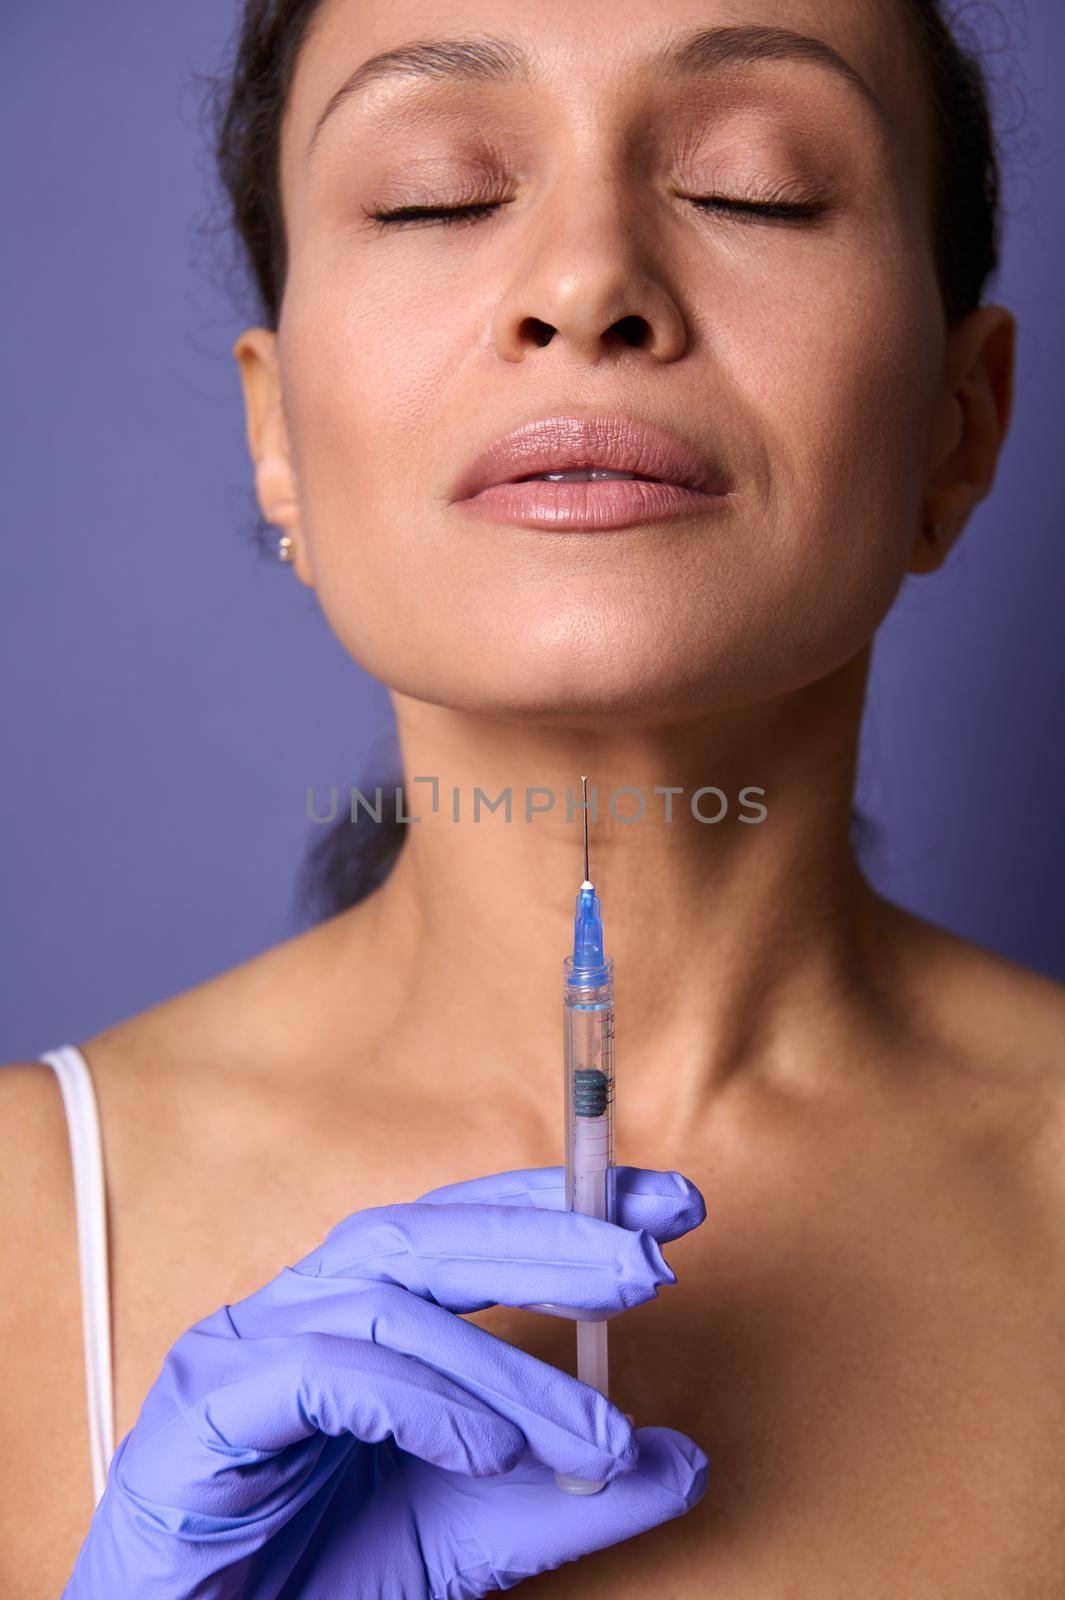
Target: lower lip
<point>591,506</point>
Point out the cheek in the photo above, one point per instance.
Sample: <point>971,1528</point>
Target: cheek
<point>368,367</point>
<point>831,371</point>
<point>364,368</point>
<point>836,365</point>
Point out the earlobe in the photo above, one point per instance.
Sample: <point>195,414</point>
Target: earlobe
<point>292,553</point>
<point>267,429</point>
<point>931,547</point>
<point>299,564</point>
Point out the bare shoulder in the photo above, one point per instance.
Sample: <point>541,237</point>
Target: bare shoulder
<point>262,1012</point>
<point>1000,1027</point>
<point>1003,1016</point>
<point>42,1388</point>
<point>36,1183</point>
<point>172,1089</point>
<point>216,1095</point>
<point>245,1013</point>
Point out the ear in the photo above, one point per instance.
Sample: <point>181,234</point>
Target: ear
<point>268,440</point>
<point>971,426</point>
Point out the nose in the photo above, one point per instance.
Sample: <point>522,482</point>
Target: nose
<point>587,280</point>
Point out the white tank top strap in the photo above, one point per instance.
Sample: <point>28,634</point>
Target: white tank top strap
<point>86,1150</point>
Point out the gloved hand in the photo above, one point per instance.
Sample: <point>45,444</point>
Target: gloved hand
<point>343,1432</point>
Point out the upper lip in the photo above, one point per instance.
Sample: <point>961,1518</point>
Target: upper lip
<point>619,443</point>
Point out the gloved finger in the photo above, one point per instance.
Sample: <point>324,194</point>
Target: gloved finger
<point>468,1256</point>
<point>215,1451</point>
<point>667,1204</point>
<point>522,1523</point>
<point>562,1419</point>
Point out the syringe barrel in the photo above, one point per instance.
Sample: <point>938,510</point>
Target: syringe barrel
<point>588,1032</point>
<point>588,1020</point>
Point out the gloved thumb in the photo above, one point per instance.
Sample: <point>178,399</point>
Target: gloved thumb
<point>521,1523</point>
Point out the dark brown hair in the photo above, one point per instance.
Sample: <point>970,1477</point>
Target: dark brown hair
<point>245,106</point>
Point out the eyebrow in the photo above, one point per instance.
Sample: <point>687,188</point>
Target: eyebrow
<point>701,52</point>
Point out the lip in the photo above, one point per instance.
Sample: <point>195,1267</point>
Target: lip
<point>674,478</point>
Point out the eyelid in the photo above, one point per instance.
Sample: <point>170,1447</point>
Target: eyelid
<point>429,213</point>
<point>764,208</point>
<point>766,190</point>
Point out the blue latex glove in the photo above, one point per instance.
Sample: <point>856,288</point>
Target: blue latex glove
<point>342,1432</point>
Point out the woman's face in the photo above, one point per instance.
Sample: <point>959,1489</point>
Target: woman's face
<point>802,352</point>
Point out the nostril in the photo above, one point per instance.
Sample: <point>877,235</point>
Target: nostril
<point>541,332</point>
<point>633,330</point>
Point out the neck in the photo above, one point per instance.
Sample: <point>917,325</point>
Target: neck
<point>737,944</point>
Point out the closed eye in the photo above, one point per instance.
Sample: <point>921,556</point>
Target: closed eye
<point>781,210</point>
<point>448,216</point>
<point>445,214</point>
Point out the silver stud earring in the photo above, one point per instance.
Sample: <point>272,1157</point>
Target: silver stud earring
<point>285,549</point>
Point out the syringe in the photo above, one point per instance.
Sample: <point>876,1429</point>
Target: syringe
<point>588,1036</point>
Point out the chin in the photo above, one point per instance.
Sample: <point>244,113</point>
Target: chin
<point>619,684</point>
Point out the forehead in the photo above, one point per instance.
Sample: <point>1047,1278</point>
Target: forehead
<point>555,50</point>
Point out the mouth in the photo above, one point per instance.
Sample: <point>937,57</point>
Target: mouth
<point>590,474</point>
<point>565,449</point>
<point>585,475</point>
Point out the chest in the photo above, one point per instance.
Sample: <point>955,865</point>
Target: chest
<point>883,1408</point>
<point>872,1356</point>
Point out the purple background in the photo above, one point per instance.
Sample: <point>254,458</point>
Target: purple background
<point>170,694</point>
